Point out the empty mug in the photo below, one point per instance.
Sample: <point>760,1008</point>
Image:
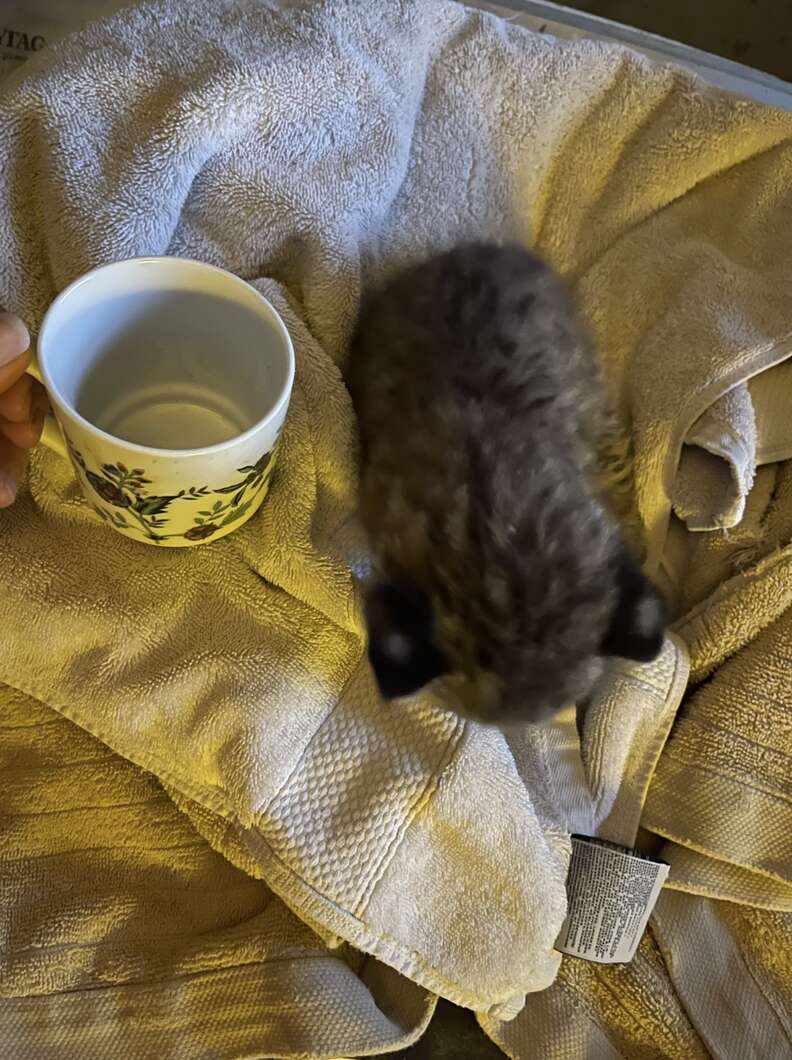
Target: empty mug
<point>170,381</point>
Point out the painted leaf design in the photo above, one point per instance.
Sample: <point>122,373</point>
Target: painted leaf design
<point>108,491</point>
<point>236,513</point>
<point>124,490</point>
<point>199,533</point>
<point>152,505</point>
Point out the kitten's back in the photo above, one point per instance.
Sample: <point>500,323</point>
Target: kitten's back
<point>481,410</point>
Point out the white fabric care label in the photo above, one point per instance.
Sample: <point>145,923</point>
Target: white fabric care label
<point>611,892</point>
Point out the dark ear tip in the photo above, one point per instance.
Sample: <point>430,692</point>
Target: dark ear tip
<point>401,647</point>
<point>637,629</point>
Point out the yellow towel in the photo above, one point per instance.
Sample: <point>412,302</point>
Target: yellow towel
<point>123,933</point>
<point>710,979</point>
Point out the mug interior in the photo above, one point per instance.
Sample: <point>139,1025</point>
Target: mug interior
<point>166,353</point>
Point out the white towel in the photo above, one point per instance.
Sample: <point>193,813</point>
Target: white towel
<point>717,463</point>
<point>293,147</point>
<point>746,428</point>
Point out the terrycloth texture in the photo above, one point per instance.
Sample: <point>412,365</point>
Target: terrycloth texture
<point>717,464</point>
<point>732,967</point>
<point>596,783</point>
<point>125,934</point>
<point>293,148</point>
<point>723,785</point>
<point>603,1012</point>
<point>710,979</point>
<point>722,791</point>
<point>747,427</point>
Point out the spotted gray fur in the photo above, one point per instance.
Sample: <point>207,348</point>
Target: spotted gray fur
<point>495,485</point>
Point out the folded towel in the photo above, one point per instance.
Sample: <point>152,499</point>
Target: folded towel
<point>732,968</point>
<point>304,148</point>
<point>603,1012</point>
<point>123,933</point>
<point>717,464</point>
<point>723,783</point>
<point>744,429</point>
<point>722,790</point>
<point>710,979</point>
<point>122,929</point>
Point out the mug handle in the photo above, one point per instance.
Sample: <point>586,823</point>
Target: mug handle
<point>51,435</point>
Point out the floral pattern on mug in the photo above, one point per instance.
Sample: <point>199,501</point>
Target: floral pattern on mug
<point>128,504</point>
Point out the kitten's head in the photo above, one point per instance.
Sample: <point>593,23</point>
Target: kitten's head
<point>505,668</point>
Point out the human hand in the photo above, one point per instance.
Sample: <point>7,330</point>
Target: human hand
<point>23,406</point>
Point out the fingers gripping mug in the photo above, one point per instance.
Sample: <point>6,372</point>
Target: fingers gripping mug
<point>170,381</point>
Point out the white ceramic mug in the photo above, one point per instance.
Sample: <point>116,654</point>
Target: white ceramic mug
<point>170,381</point>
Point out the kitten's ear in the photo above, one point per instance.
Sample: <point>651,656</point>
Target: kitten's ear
<point>638,624</point>
<point>401,648</point>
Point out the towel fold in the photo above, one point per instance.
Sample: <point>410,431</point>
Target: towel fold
<point>717,464</point>
<point>307,148</point>
<point>603,1012</point>
<point>710,979</point>
<point>125,934</point>
<point>743,430</point>
<point>723,783</point>
<point>695,872</point>
<point>771,394</point>
<point>732,967</point>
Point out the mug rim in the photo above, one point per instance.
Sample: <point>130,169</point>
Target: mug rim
<point>207,450</point>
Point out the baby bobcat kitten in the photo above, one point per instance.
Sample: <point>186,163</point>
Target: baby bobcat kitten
<point>493,481</point>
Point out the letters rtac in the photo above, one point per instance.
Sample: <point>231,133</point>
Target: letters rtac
<point>19,41</point>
